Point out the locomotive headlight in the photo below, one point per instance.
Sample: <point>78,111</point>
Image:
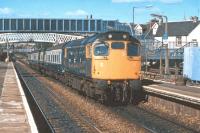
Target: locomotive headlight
<point>124,36</point>
<point>110,36</point>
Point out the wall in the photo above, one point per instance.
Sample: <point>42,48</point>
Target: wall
<point>195,34</point>
<point>172,41</point>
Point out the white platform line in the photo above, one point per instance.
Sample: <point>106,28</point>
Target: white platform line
<point>26,106</point>
<point>162,81</point>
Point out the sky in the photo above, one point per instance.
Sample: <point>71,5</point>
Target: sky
<point>122,10</point>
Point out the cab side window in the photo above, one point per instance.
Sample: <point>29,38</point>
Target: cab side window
<point>132,49</point>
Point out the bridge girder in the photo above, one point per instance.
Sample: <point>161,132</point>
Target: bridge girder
<point>37,37</point>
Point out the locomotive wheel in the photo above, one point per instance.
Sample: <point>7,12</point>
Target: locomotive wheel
<point>128,96</point>
<point>109,96</point>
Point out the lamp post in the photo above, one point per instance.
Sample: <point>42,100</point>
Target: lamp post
<point>147,6</point>
<point>146,52</point>
<point>165,37</point>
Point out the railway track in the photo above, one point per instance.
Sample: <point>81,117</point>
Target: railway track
<point>65,117</point>
<point>77,116</point>
<point>151,121</point>
<point>60,115</point>
<point>58,110</point>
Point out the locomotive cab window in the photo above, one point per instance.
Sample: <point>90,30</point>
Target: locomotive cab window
<point>101,49</point>
<point>117,45</point>
<point>132,49</point>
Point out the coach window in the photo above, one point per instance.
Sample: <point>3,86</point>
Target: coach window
<point>60,57</point>
<point>52,58</point>
<point>132,49</point>
<point>57,58</point>
<point>101,49</point>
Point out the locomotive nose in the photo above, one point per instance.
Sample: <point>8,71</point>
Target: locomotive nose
<point>116,66</point>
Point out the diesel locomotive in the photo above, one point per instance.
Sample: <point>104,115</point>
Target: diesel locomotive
<point>105,66</point>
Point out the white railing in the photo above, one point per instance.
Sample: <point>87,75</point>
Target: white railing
<point>37,37</point>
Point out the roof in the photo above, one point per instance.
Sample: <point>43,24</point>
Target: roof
<point>116,35</point>
<point>146,31</point>
<point>59,46</point>
<point>177,28</point>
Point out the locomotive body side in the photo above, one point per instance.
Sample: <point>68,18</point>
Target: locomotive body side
<point>74,58</point>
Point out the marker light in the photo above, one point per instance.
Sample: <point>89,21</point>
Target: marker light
<point>110,36</point>
<point>124,36</point>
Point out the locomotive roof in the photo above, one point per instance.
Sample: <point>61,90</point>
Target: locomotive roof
<point>35,51</point>
<point>116,35</point>
<point>74,43</point>
<point>59,46</point>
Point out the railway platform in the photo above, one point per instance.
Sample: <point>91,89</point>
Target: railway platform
<point>15,114</point>
<point>189,94</point>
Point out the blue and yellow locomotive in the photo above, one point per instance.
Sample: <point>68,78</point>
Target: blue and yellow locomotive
<point>105,66</point>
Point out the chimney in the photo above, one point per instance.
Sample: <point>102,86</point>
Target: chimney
<point>91,16</point>
<point>194,19</point>
<point>153,21</point>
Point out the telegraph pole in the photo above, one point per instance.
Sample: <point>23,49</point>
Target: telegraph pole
<point>161,61</point>
<point>166,46</point>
